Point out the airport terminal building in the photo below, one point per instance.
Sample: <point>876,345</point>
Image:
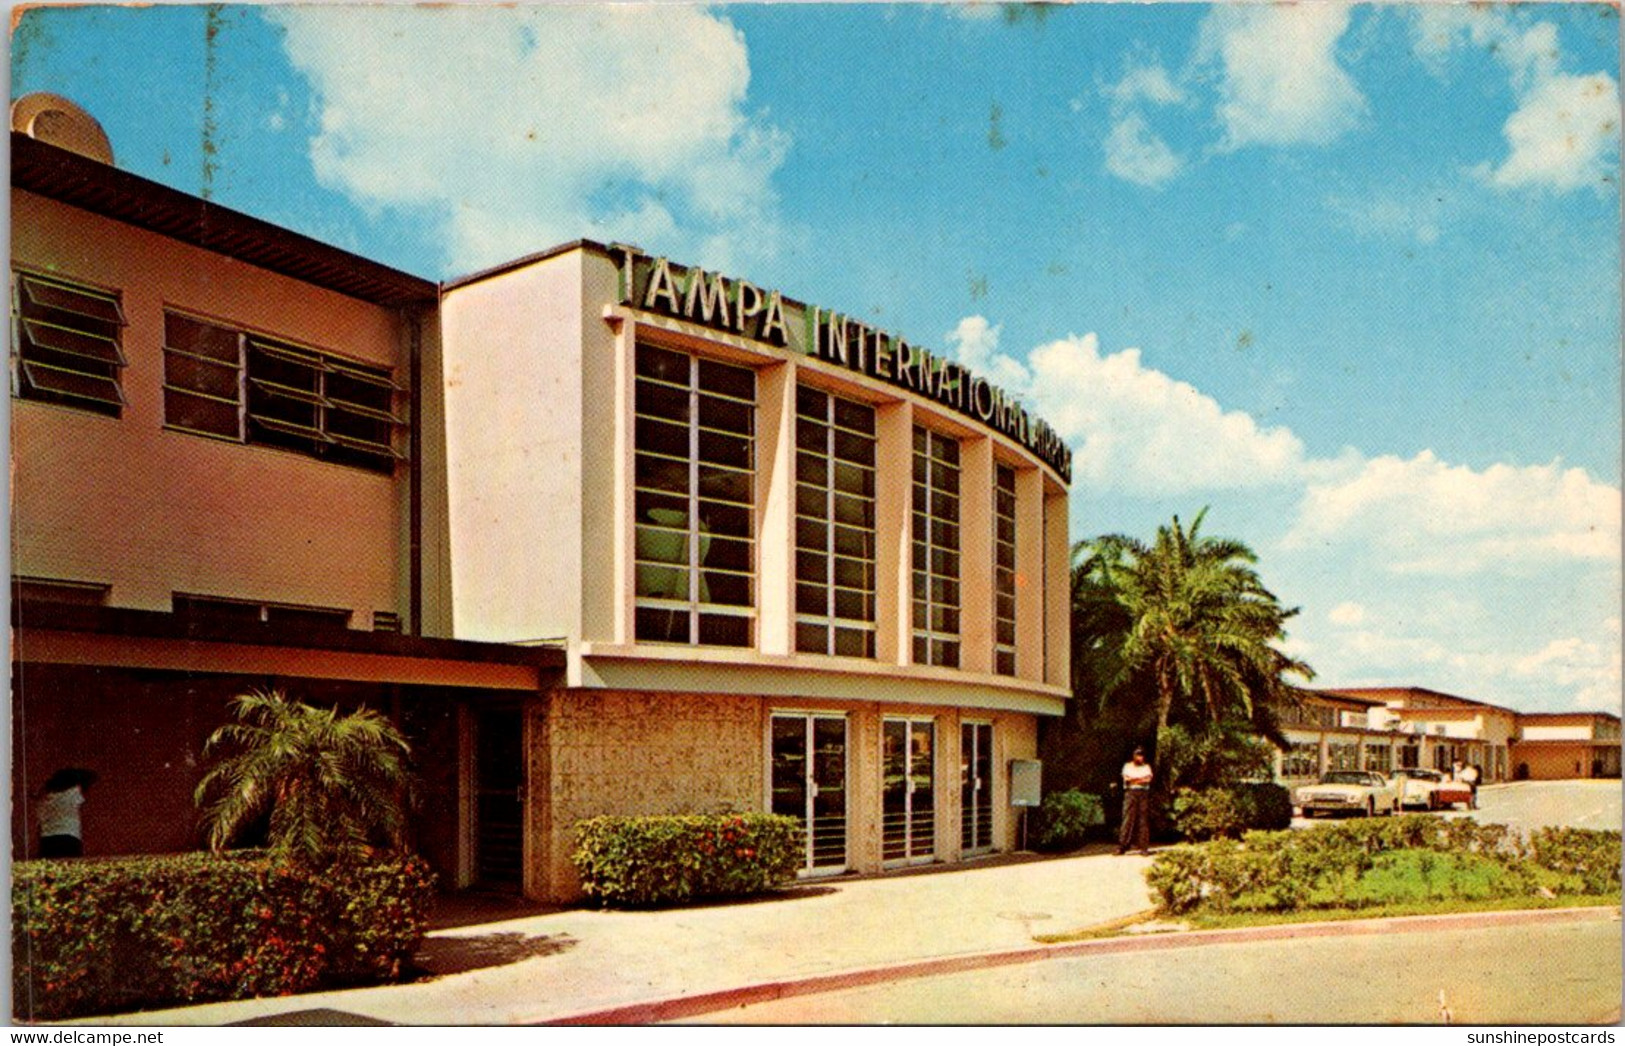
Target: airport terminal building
<point>603,532</point>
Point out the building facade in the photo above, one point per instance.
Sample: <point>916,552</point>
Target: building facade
<point>603,533</point>
<point>1384,728</point>
<point>1552,745</point>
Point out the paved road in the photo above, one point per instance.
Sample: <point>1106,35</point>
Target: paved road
<point>1535,804</point>
<point>1549,974</point>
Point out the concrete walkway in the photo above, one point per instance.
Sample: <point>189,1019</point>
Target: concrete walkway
<point>600,960</point>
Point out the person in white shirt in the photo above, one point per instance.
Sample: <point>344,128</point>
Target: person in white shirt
<point>1469,774</point>
<point>57,813</point>
<point>1136,830</point>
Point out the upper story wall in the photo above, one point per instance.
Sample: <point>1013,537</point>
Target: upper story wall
<point>149,510</point>
<point>657,488</point>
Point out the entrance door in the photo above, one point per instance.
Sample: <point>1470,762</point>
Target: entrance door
<point>975,787</point>
<point>908,793</point>
<point>499,770</point>
<point>809,784</point>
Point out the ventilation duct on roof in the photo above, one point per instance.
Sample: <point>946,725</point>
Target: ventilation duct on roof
<point>55,120</point>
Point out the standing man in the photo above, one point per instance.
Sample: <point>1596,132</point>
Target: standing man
<point>1136,829</point>
<point>1469,773</point>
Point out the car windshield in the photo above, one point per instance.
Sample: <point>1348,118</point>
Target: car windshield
<point>1345,777</point>
<point>1420,775</point>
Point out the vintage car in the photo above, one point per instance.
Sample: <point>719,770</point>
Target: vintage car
<point>1430,789</point>
<point>1363,792</point>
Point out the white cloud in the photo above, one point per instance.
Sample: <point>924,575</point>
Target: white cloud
<point>516,128</point>
<point>1424,515</point>
<point>1132,428</point>
<point>1282,83</point>
<point>1564,135</point>
<point>1411,215</point>
<point>1147,83</point>
<point>1135,153</point>
<point>1346,614</point>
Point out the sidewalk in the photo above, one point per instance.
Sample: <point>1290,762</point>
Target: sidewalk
<point>591,960</point>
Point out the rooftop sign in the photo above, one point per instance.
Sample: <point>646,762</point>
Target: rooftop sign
<point>739,307</point>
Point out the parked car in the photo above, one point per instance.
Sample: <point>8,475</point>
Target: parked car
<point>1363,792</point>
<point>1430,789</point>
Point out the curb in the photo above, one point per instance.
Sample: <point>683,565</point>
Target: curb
<point>687,1006</point>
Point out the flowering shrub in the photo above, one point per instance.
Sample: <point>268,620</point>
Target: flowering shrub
<point>99,936</point>
<point>679,858</point>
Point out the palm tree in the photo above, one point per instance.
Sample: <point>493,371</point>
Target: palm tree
<point>1201,629</point>
<point>331,784</point>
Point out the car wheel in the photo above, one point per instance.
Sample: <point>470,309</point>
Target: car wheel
<point>1371,808</point>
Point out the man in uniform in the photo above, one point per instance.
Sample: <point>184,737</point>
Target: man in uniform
<point>1136,831</point>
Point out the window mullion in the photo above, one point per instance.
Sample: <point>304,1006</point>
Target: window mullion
<point>693,499</point>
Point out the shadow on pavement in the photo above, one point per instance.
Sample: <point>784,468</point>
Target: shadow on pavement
<point>443,956</point>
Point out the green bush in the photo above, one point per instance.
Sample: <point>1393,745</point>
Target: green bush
<point>1586,856</point>
<point>100,936</point>
<point>1226,812</point>
<point>1371,862</point>
<point>1066,819</point>
<point>674,859</point>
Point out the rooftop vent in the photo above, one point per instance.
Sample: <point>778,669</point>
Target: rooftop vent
<point>54,120</point>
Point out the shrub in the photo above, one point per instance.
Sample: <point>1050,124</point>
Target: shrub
<point>1372,862</point>
<point>105,935</point>
<point>674,859</point>
<point>1066,819</point>
<point>1226,812</point>
<point>1590,858</point>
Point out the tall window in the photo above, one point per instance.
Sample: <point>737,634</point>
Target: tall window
<point>695,484</point>
<point>1004,570</point>
<point>65,340</point>
<point>835,525</point>
<point>223,382</point>
<point>936,549</point>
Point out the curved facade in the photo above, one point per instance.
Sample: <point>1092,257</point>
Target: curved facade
<point>796,563</point>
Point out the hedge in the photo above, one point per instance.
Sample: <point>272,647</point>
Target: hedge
<point>673,859</point>
<point>1229,811</point>
<point>1336,866</point>
<point>100,936</point>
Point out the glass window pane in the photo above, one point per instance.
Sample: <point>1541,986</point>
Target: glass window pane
<point>725,520</point>
<point>811,403</point>
<point>668,510</point>
<point>721,484</point>
<point>662,546</point>
<point>850,541</point>
<point>857,416</point>
<point>850,447</point>
<point>661,401</point>
<point>659,625</point>
<point>662,364</point>
<point>854,642</point>
<point>812,599</point>
<point>725,553</point>
<point>214,379</point>
<point>739,382</point>
<point>811,502</point>
<point>662,437</point>
<point>811,468</point>
<point>730,590</point>
<point>854,511</point>
<point>812,639</point>
<point>725,630</point>
<point>811,436</point>
<point>851,479</point>
<point>812,535</point>
<point>853,605</point>
<point>662,582</point>
<point>727,415</point>
<point>814,567</point>
<point>200,415</point>
<point>720,449</point>
<point>665,474</point>
<point>854,573</point>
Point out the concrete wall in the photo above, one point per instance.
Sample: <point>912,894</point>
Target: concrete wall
<point>149,511</point>
<point>1566,732</point>
<point>511,390</point>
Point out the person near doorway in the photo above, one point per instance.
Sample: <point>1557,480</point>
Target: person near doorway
<point>1136,829</point>
<point>57,813</point>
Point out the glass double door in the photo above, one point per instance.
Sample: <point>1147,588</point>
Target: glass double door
<point>809,784</point>
<point>908,792</point>
<point>975,787</point>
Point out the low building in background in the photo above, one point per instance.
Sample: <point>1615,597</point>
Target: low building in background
<point>1553,745</point>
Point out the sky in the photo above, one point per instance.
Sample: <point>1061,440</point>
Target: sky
<point>1347,277</point>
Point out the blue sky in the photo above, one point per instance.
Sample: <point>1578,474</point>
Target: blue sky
<point>1347,275</point>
